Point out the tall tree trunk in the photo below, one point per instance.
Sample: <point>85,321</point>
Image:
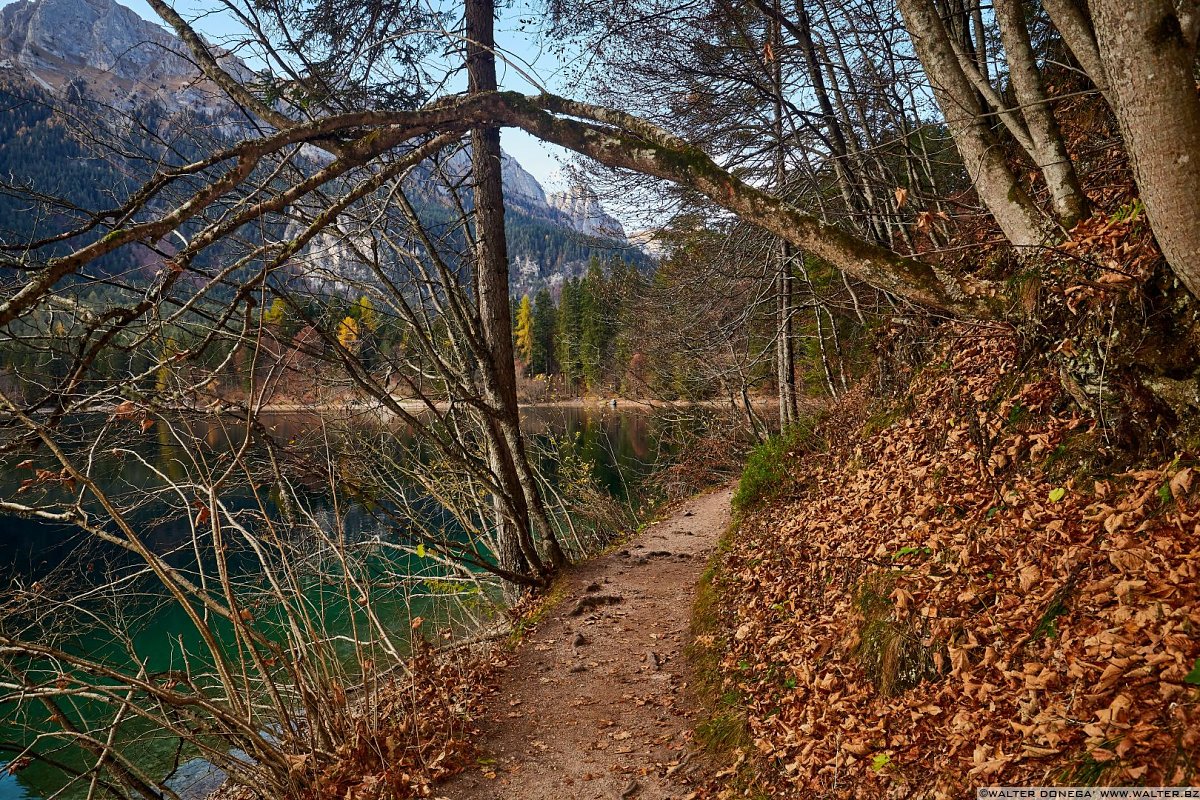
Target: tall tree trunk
<point>517,551</point>
<point>837,348</point>
<point>1150,60</point>
<point>785,359</point>
<point>785,343</point>
<point>995,183</point>
<point>1049,151</point>
<point>848,180</point>
<point>829,384</point>
<point>874,222</point>
<point>981,54</point>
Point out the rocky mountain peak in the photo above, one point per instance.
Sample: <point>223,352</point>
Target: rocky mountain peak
<point>583,211</point>
<point>53,34</point>
<point>519,185</point>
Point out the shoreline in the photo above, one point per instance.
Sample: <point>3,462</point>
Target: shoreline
<point>417,407</point>
<point>616,403</point>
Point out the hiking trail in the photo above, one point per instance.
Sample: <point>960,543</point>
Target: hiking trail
<point>594,701</point>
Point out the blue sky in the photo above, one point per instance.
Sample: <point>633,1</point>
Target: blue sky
<point>521,47</point>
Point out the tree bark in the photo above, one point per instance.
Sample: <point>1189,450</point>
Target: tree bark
<point>785,361</point>
<point>517,552</point>
<point>848,180</point>
<point>1153,89</point>
<point>1048,151</point>
<point>785,342</point>
<point>981,53</point>
<point>995,183</point>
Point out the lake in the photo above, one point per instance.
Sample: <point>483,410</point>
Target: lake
<point>620,449</point>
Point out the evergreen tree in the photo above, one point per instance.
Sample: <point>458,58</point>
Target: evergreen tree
<point>592,328</point>
<point>567,331</point>
<point>545,316</point>
<point>627,285</point>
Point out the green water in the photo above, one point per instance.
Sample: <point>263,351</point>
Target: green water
<point>621,449</point>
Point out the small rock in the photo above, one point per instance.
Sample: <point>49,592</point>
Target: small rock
<point>579,641</point>
<point>689,513</point>
<point>578,668</point>
<point>652,658</point>
<point>593,587</point>
<point>630,790</point>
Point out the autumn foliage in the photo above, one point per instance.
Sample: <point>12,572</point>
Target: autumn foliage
<point>966,593</point>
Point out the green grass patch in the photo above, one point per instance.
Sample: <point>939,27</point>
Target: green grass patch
<point>767,473</point>
<point>723,730</point>
<point>1047,627</point>
<point>547,602</point>
<point>1085,770</point>
<point>707,643</point>
<point>882,420</point>
<point>1080,457</point>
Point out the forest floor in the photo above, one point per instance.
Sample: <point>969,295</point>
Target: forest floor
<point>958,584</point>
<point>595,701</point>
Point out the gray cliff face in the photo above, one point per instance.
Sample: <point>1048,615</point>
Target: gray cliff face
<point>121,60</point>
<point>520,187</point>
<point>107,50</point>
<point>582,210</point>
<point>578,208</point>
<point>52,35</point>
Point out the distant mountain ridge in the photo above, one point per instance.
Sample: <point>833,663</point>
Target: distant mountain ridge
<point>104,52</point>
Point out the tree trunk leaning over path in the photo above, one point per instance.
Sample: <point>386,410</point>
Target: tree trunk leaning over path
<point>1153,89</point>
<point>996,185</point>
<point>610,136</point>
<point>623,141</point>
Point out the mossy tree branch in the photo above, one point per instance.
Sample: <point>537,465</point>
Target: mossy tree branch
<point>627,142</point>
<point>613,138</point>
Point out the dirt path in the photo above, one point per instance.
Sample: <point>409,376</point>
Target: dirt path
<point>593,704</point>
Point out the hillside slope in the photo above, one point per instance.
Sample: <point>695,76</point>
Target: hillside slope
<point>962,591</point>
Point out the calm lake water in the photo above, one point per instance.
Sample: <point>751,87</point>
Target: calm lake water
<point>623,448</point>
